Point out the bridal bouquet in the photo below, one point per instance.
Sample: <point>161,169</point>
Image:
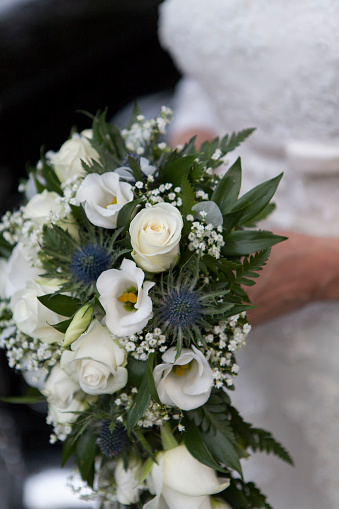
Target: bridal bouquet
<point>123,304</point>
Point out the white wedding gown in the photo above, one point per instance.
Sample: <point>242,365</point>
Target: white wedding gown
<point>274,65</point>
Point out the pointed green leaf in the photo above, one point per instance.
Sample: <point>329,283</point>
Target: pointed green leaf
<point>174,171</point>
<point>223,449</point>
<point>150,379</point>
<point>227,191</point>
<point>62,304</point>
<point>62,326</point>
<point>245,242</point>
<point>257,199</point>
<point>125,214</point>
<point>139,405</point>
<point>85,455</point>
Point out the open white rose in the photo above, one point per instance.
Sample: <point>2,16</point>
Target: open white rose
<point>20,268</point>
<point>67,162</point>
<point>3,277</point>
<point>155,236</point>
<point>39,208</point>
<point>128,481</point>
<point>33,318</point>
<point>180,481</point>
<point>185,382</point>
<point>96,362</point>
<point>64,396</point>
<point>102,197</point>
<point>124,297</point>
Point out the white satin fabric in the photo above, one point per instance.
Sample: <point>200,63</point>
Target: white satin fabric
<point>274,65</point>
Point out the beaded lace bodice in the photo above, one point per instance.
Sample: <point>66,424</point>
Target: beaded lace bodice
<point>273,64</point>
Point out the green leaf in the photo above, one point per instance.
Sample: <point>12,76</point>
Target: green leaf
<point>68,449</point>
<point>229,143</point>
<point>62,304</point>
<point>85,455</point>
<point>222,448</point>
<point>257,199</point>
<point>196,446</point>
<point>135,167</point>
<point>136,371</point>
<point>139,405</point>
<point>174,171</point>
<point>150,379</point>
<point>141,438</point>
<point>187,195</point>
<point>227,191</point>
<point>62,326</point>
<point>230,220</point>
<point>125,214</point>
<point>245,242</point>
<point>167,439</point>
<point>51,179</point>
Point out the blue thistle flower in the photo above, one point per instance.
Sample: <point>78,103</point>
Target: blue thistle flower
<point>88,262</point>
<point>180,308</point>
<point>111,443</point>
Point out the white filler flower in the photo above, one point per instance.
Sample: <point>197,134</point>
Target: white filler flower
<point>185,382</point>
<point>96,362</point>
<point>180,481</point>
<point>124,297</point>
<point>155,235</point>
<point>128,484</point>
<point>102,197</point>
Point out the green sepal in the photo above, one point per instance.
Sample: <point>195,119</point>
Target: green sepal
<point>60,304</point>
<point>245,242</point>
<point>62,326</point>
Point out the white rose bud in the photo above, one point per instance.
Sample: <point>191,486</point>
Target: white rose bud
<point>78,325</point>
<point>155,236</point>
<point>67,162</point>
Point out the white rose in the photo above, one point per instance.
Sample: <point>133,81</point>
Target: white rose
<point>67,162</point>
<point>102,197</point>
<point>180,481</point>
<point>96,362</point>
<point>33,318</point>
<point>185,382</point>
<point>39,208</point>
<point>20,268</point>
<point>128,481</point>
<point>63,396</point>
<point>124,297</point>
<point>155,236</point>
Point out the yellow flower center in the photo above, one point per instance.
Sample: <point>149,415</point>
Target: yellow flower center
<point>113,202</point>
<point>129,299</point>
<point>180,369</point>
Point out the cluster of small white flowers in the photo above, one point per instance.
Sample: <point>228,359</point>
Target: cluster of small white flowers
<point>24,352</point>
<point>69,189</point>
<point>142,130</point>
<point>222,341</point>
<point>204,238</point>
<point>164,193</point>
<point>141,345</point>
<point>61,431</point>
<point>11,226</point>
<point>155,415</point>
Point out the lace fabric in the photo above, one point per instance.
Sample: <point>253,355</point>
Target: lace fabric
<point>274,65</point>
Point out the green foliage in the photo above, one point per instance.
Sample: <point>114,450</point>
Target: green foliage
<point>230,142</point>
<point>241,495</point>
<point>250,268</point>
<point>227,191</point>
<point>245,242</point>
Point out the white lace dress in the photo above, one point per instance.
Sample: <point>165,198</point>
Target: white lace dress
<point>274,65</point>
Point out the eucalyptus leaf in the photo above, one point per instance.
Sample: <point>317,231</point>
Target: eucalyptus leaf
<point>209,212</point>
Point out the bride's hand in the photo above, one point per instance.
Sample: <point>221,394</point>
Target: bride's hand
<point>300,270</point>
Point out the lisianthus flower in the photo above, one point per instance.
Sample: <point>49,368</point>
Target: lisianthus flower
<point>126,173</point>
<point>103,196</point>
<point>124,297</point>
<point>155,236</point>
<point>96,362</point>
<point>180,481</point>
<point>185,382</point>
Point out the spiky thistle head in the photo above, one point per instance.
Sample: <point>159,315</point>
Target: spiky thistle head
<point>88,262</point>
<point>111,443</point>
<point>182,304</point>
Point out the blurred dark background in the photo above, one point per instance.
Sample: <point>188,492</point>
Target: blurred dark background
<point>57,57</point>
